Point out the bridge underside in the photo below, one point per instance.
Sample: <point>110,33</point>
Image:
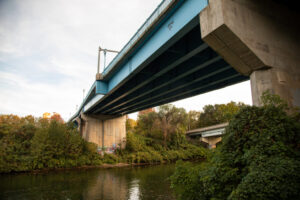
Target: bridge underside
<point>183,57</point>
<point>187,68</point>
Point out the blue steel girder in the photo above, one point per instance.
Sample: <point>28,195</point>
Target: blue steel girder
<point>173,27</point>
<point>165,35</point>
<point>159,68</point>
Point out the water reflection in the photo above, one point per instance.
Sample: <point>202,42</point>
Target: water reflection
<point>134,191</point>
<point>139,183</point>
<point>107,184</point>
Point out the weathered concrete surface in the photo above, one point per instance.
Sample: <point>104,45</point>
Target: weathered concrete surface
<point>257,38</point>
<point>277,81</point>
<point>91,129</point>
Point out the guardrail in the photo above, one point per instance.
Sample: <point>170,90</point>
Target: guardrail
<point>161,8</point>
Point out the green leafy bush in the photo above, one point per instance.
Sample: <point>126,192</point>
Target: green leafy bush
<point>110,158</point>
<point>259,159</point>
<point>27,144</point>
<point>134,142</point>
<point>142,149</point>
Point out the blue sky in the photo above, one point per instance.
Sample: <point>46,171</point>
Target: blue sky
<point>48,52</point>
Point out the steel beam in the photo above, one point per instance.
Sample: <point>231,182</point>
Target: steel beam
<point>196,91</point>
<point>161,72</point>
<point>169,81</point>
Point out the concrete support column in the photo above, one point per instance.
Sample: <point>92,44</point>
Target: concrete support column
<point>79,125</point>
<point>103,131</point>
<point>211,141</point>
<point>115,132</point>
<point>259,39</point>
<point>282,83</point>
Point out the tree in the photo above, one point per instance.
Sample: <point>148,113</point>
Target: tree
<point>57,117</point>
<point>172,120</point>
<point>218,113</point>
<point>193,118</point>
<point>163,125</point>
<point>27,143</point>
<point>15,135</point>
<point>130,124</point>
<point>146,123</point>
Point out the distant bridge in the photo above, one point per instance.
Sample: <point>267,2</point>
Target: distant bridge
<point>189,47</point>
<point>210,135</point>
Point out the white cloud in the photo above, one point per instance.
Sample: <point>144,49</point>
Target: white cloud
<point>22,97</point>
<point>48,50</point>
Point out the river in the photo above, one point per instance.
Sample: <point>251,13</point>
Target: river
<point>129,183</point>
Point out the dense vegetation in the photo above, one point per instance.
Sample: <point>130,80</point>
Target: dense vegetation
<point>159,137</point>
<point>259,158</point>
<point>27,144</point>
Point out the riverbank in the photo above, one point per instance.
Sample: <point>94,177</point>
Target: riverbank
<point>102,166</point>
<point>125,159</point>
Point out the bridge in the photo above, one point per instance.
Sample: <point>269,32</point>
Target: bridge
<point>210,135</point>
<point>189,47</point>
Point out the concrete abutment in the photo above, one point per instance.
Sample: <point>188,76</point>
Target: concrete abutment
<point>259,39</point>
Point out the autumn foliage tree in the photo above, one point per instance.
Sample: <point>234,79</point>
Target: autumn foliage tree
<point>57,117</point>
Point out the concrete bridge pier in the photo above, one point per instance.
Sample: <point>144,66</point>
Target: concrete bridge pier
<point>211,141</point>
<point>259,39</point>
<point>105,131</point>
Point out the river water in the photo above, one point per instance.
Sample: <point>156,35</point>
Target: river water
<point>129,183</point>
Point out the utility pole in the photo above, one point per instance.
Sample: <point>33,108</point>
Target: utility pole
<point>98,75</point>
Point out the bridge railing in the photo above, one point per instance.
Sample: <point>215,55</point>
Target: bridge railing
<point>161,8</point>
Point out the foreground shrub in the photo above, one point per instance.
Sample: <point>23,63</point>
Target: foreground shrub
<point>259,159</point>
